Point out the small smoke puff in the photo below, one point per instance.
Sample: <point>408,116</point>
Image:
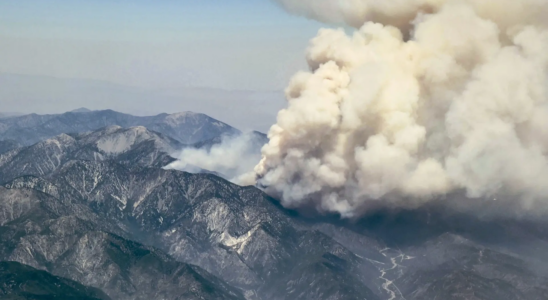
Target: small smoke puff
<point>234,158</point>
<point>426,97</point>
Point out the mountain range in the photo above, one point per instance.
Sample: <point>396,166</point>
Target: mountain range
<point>187,127</point>
<point>93,213</point>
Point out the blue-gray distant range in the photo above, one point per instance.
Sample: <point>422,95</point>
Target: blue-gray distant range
<point>89,211</point>
<point>186,127</point>
<point>244,109</point>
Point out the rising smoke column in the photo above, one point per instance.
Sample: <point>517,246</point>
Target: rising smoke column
<point>426,97</point>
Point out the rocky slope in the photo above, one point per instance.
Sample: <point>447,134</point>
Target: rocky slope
<point>237,233</point>
<point>71,241</point>
<point>8,145</point>
<point>242,236</point>
<point>134,146</point>
<point>21,282</point>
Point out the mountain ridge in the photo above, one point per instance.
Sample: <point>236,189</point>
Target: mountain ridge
<point>132,146</point>
<point>186,127</point>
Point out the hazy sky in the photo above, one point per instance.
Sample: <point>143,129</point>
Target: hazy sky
<point>154,45</point>
<point>231,44</point>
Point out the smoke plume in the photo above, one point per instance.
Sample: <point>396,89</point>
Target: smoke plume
<point>233,158</point>
<point>425,98</point>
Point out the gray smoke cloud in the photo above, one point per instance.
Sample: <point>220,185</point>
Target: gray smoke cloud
<point>425,98</point>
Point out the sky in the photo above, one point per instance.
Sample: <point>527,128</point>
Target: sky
<point>152,50</point>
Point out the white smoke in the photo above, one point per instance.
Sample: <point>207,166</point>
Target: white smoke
<point>440,96</point>
<point>233,158</point>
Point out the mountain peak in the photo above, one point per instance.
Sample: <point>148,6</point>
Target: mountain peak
<point>81,110</point>
<point>183,114</point>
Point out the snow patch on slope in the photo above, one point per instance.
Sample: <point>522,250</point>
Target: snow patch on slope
<point>122,140</point>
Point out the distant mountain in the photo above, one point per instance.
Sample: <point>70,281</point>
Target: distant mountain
<point>9,114</point>
<point>81,110</point>
<point>135,146</point>
<point>239,108</point>
<point>187,128</point>
<point>21,282</point>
